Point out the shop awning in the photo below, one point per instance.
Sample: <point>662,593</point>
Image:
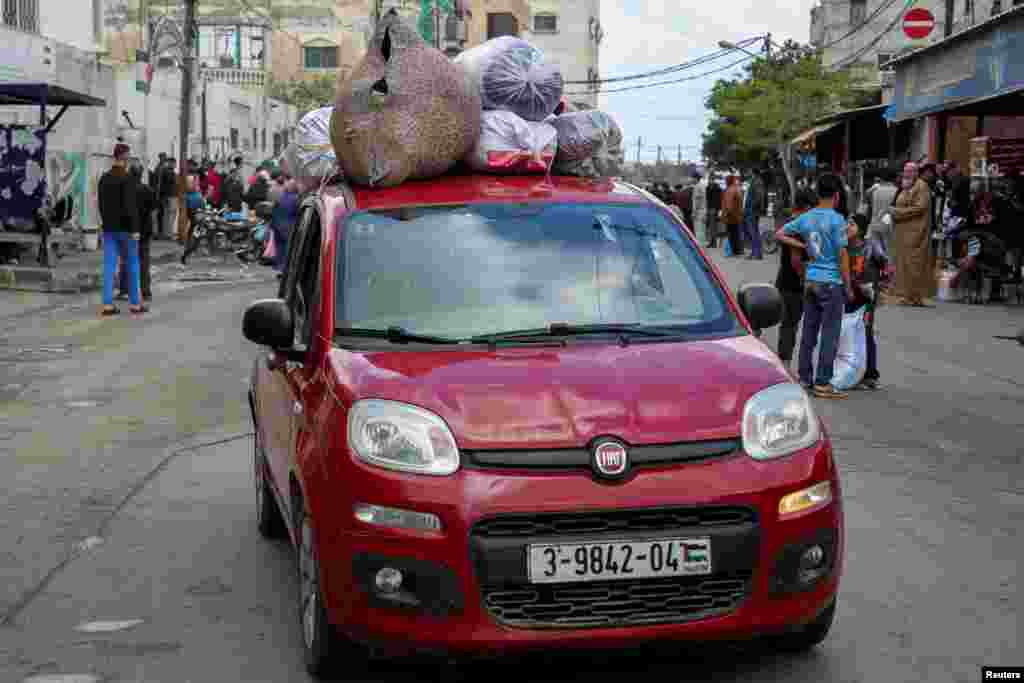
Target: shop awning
<point>847,114</point>
<point>44,93</point>
<point>812,133</point>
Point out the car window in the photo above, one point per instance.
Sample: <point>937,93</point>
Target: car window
<point>306,292</point>
<point>460,271</point>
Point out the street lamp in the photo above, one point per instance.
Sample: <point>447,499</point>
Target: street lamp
<point>727,45</point>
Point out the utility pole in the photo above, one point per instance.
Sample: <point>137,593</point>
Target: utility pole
<point>659,155</point>
<point>679,161</point>
<point>188,67</point>
<point>768,44</point>
<point>639,146</point>
<point>949,18</point>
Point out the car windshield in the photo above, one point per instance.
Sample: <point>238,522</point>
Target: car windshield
<point>463,271</point>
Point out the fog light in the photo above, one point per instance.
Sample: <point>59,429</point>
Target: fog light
<point>812,558</point>
<point>396,518</point>
<point>388,580</point>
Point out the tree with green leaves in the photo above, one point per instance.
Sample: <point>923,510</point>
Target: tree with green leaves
<point>757,116</point>
<point>306,95</point>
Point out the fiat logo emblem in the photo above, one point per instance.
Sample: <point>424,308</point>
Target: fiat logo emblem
<point>610,459</point>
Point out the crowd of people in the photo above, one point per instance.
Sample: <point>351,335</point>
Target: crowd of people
<point>134,212</point>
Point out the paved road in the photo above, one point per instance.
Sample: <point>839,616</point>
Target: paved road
<point>133,444</point>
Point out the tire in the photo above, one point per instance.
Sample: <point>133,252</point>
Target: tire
<point>269,520</point>
<point>809,636</point>
<point>324,650</point>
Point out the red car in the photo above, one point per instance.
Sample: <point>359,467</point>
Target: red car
<point>501,413</point>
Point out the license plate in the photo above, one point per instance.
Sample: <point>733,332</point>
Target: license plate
<point>611,560</point>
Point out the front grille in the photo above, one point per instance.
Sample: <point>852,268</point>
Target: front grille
<point>618,603</point>
<point>498,547</point>
<point>664,519</point>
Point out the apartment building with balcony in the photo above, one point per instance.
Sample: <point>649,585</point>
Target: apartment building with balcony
<point>569,32</point>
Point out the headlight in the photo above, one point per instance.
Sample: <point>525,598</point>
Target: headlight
<point>778,421</point>
<point>402,437</point>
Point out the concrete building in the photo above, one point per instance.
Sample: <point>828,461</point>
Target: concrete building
<point>570,34</point>
<point>88,47</point>
<point>867,50</point>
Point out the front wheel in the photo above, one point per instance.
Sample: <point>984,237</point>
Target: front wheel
<point>324,650</point>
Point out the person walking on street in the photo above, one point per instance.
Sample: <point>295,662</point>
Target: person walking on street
<point>233,187</point>
<point>714,208</point>
<point>754,208</point>
<point>282,221</point>
<point>167,196</point>
<point>120,217</point>
<point>823,232</point>
<point>882,196</point>
<point>790,283</point>
<point>911,217</point>
<point>732,213</point>
<point>700,210</point>
<point>145,200</point>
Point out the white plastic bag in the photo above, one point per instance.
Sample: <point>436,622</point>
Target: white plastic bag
<point>851,353</point>
<point>508,144</point>
<point>310,156</point>
<point>589,144</point>
<point>514,76</point>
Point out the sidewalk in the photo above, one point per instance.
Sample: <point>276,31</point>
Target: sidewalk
<point>76,273</point>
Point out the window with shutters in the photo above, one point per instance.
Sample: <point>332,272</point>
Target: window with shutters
<point>858,11</point>
<point>320,57</point>
<point>502,24</point>
<point>22,15</point>
<point>545,23</point>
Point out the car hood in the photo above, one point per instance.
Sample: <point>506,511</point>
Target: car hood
<point>521,397</point>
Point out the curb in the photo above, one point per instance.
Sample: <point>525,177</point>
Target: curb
<point>57,281</point>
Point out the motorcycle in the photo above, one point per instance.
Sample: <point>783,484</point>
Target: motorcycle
<point>223,231</point>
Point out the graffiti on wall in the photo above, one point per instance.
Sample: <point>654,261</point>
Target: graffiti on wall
<point>67,173</point>
<point>22,172</point>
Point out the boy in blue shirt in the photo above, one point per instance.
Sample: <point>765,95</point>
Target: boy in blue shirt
<point>822,233</point>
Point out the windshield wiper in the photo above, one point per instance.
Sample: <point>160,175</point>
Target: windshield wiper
<point>395,335</point>
<point>567,329</point>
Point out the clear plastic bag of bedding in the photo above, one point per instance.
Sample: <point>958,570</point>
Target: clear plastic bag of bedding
<point>508,144</point>
<point>589,144</point>
<point>514,76</point>
<point>311,156</point>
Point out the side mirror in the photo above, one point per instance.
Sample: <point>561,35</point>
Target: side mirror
<point>761,303</point>
<point>268,322</point>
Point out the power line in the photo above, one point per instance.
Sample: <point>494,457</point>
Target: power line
<point>857,55</point>
<point>670,69</point>
<point>881,8</point>
<point>660,83</point>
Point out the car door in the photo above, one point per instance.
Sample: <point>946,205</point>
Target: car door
<point>280,407</point>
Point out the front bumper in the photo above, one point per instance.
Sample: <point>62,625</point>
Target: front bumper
<point>466,588</point>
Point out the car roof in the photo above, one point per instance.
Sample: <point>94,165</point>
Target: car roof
<point>481,188</point>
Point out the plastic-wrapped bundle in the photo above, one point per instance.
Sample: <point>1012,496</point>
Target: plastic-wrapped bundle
<point>589,144</point>
<point>405,112</point>
<point>311,156</point>
<point>508,144</point>
<point>514,76</point>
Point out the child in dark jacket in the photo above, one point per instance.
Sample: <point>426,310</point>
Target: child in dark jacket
<point>867,264</point>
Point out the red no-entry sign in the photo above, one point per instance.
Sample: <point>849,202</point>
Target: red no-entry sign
<point>918,23</point>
